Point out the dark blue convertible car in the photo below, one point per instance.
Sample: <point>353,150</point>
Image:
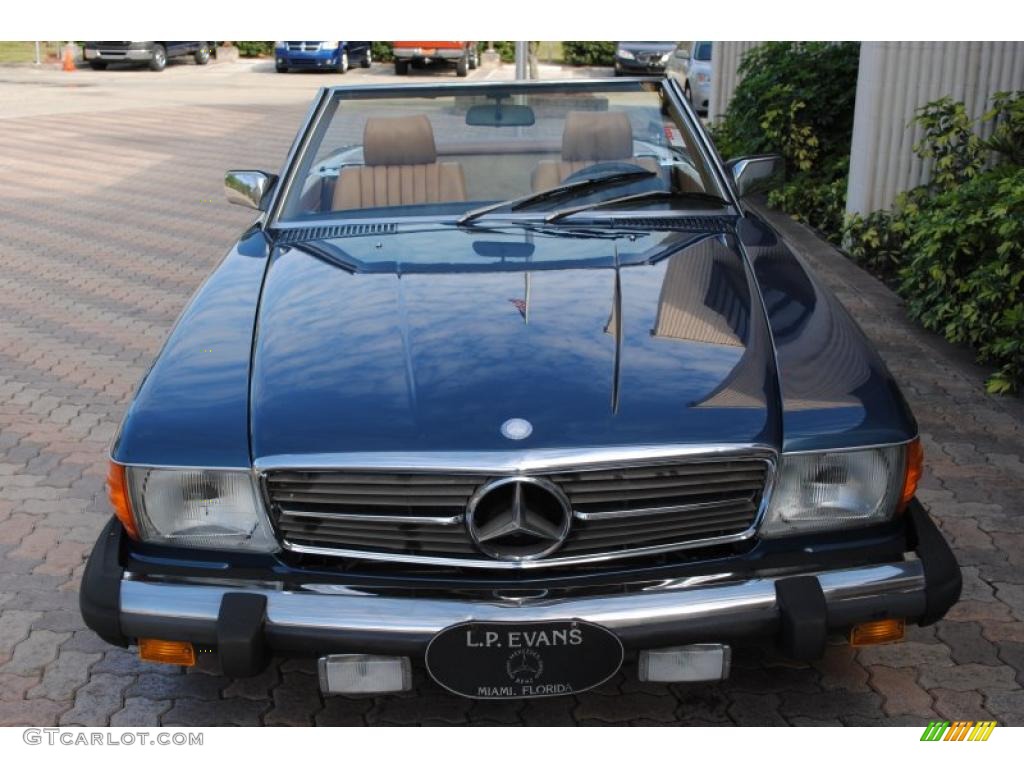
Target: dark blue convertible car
<point>508,381</point>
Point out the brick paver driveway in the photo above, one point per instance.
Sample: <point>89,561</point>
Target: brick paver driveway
<point>109,220</point>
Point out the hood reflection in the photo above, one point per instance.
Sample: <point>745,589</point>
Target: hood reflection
<point>636,354</point>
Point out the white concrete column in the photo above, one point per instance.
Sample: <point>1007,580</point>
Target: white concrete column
<point>894,80</point>
<point>725,62</point>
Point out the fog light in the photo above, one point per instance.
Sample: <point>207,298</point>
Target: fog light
<point>167,651</point>
<point>685,663</point>
<point>877,632</point>
<point>357,673</point>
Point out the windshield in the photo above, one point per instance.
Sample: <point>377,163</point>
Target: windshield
<point>453,151</point>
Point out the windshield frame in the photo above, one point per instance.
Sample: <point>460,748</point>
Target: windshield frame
<point>315,121</point>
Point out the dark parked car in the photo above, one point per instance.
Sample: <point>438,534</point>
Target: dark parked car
<point>153,53</point>
<point>335,55</point>
<point>642,58</point>
<point>506,378</point>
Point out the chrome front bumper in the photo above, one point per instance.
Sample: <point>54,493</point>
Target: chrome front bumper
<point>246,621</point>
<point>126,54</point>
<point>688,610</point>
<point>449,54</point>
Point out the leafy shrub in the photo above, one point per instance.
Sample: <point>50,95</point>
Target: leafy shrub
<point>382,51</point>
<point>506,49</point>
<point>816,203</point>
<point>964,272</point>
<point>878,240</point>
<point>956,246</point>
<point>595,53</point>
<point>251,49</point>
<point>950,141</point>
<point>797,99</point>
<point>792,96</point>
<point>1007,138</point>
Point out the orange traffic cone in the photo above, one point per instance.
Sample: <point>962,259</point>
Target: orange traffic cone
<point>69,58</point>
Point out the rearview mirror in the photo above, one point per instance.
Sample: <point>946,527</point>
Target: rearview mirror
<point>503,249</point>
<point>498,114</point>
<point>248,188</point>
<point>754,172</point>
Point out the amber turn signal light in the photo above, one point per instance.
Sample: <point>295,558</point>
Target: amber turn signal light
<point>915,466</point>
<point>117,492</point>
<point>877,632</point>
<point>167,651</point>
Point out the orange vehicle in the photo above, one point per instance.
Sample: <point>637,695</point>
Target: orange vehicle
<point>464,55</point>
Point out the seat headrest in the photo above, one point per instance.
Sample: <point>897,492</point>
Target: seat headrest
<point>398,141</point>
<point>597,136</point>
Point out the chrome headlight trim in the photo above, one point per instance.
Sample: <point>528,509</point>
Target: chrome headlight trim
<point>220,509</point>
<point>834,490</point>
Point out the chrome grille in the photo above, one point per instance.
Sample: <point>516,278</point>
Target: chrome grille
<point>304,46</point>
<point>416,516</point>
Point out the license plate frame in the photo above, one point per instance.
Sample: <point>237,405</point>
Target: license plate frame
<point>523,659</point>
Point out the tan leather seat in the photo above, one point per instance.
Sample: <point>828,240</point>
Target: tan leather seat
<point>400,168</point>
<point>589,138</point>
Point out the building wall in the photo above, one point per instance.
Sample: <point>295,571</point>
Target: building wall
<point>895,79</point>
<point>725,61</point>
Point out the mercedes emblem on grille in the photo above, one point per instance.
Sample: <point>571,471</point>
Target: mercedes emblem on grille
<point>518,518</point>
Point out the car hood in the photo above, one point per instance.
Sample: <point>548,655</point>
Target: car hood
<point>656,340</point>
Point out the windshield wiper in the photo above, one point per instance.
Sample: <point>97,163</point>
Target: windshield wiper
<point>654,194</point>
<point>572,187</point>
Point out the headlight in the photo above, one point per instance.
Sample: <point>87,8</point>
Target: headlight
<point>665,58</point>
<point>199,508</point>
<point>280,44</point>
<point>329,46</point>
<point>834,490</point>
<point>622,53</point>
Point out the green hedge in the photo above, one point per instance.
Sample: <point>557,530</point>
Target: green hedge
<point>251,49</point>
<point>596,53</point>
<point>506,49</point>
<point>382,51</point>
<point>796,99</point>
<point>954,249</point>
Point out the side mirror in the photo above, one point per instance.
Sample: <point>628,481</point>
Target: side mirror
<point>682,53</point>
<point>248,188</point>
<point>750,174</point>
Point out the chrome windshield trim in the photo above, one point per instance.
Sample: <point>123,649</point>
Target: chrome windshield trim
<point>706,146</point>
<point>515,462</point>
<point>668,86</point>
<point>298,148</point>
